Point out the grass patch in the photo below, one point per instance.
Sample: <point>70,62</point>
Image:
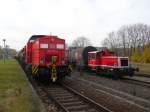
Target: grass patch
<point>15,93</point>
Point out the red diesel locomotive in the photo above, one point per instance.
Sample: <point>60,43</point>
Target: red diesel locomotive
<point>45,57</point>
<point>105,62</point>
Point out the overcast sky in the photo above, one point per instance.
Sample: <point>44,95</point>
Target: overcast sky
<point>68,19</point>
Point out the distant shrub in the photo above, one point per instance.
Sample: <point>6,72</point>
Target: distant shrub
<point>135,56</point>
<point>146,54</point>
<point>143,57</point>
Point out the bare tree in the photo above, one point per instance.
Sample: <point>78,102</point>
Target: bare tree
<point>81,42</point>
<point>139,35</point>
<point>112,41</point>
<point>128,38</point>
<point>148,34</point>
<point>122,35</point>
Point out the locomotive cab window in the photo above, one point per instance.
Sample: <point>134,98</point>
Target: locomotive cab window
<point>43,45</point>
<point>92,56</point>
<point>98,55</point>
<point>31,41</point>
<point>124,62</point>
<point>52,46</point>
<point>60,46</point>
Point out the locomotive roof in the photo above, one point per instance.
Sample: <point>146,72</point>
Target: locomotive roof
<point>100,51</point>
<point>36,36</point>
<point>94,51</point>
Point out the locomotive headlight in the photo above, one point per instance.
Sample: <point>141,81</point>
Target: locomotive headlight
<point>42,60</point>
<point>63,62</point>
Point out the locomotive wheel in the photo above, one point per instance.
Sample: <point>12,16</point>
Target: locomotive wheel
<point>35,76</point>
<point>28,69</point>
<point>98,71</point>
<point>115,75</point>
<point>131,73</point>
<point>60,80</point>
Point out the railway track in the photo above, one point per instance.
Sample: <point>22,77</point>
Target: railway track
<point>142,75</point>
<point>66,99</point>
<point>71,101</point>
<point>137,82</point>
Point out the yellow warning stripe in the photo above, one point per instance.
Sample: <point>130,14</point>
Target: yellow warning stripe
<point>34,69</point>
<point>54,73</point>
<point>70,67</point>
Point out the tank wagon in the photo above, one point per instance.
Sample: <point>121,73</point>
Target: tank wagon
<point>79,56</point>
<point>102,62</point>
<point>45,57</point>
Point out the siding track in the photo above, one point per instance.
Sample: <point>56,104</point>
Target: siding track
<point>71,101</point>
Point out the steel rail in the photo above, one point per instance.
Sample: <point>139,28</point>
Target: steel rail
<point>86,101</point>
<point>137,82</point>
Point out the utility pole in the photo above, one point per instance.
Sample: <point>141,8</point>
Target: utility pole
<point>4,40</point>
